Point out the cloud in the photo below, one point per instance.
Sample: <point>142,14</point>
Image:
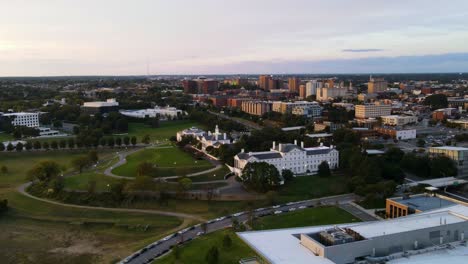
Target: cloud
<point>361,50</point>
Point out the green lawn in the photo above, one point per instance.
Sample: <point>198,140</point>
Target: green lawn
<point>5,137</point>
<point>308,187</point>
<point>34,231</point>
<point>212,176</point>
<point>194,252</point>
<point>170,161</point>
<point>164,132</point>
<point>306,217</point>
<point>81,181</point>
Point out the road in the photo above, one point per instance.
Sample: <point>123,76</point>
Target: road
<point>158,248</point>
<point>246,123</point>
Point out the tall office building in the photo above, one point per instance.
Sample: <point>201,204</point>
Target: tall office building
<point>294,83</point>
<point>376,85</point>
<point>312,86</point>
<point>201,85</point>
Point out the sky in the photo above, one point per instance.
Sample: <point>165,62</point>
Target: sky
<point>123,37</point>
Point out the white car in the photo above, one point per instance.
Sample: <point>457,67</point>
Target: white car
<point>278,212</point>
<point>302,207</point>
<point>276,206</point>
<point>292,209</point>
<point>259,209</point>
<point>200,233</point>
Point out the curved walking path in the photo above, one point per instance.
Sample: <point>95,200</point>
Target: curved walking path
<point>22,189</point>
<point>123,160</point>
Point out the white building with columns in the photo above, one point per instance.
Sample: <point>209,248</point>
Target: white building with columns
<point>294,157</point>
<point>215,139</point>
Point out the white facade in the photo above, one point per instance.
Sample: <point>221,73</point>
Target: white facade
<point>107,103</point>
<point>312,86</point>
<point>405,134</point>
<point>193,131</point>
<point>215,139</point>
<point>24,119</point>
<point>292,157</point>
<point>396,120</point>
<point>163,112</point>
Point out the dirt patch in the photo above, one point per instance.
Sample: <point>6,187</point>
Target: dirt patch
<point>79,248</point>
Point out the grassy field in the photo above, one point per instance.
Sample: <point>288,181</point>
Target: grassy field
<point>212,176</point>
<point>81,181</point>
<point>195,251</point>
<point>170,161</point>
<point>307,187</point>
<point>37,232</point>
<point>163,132</point>
<point>306,217</point>
<point>5,137</point>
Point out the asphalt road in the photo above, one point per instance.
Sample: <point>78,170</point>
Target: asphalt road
<point>159,248</point>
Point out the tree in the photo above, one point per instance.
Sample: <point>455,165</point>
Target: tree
<point>436,101</point>
<point>133,140</point>
<point>19,147</point>
<point>28,145</point>
<point>93,156</point>
<point>2,147</point>
<point>63,144</point>
<point>204,227</point>
<point>142,183</point>
<point>145,168</point>
<point>45,170</point>
<point>212,256</point>
<point>45,145</point>
<point>4,169</point>
<point>3,206</point>
<point>261,176</point>
<point>117,191</point>
<point>103,142</point>
<point>80,163</point>
<point>185,184</point>
<point>324,169</point>
<point>91,188</point>
<point>54,144</point>
<point>146,139</point>
<point>37,145</point>
<point>287,175</point>
<point>126,140</point>
<point>111,142</point>
<point>118,142</point>
<point>227,241</point>
<point>71,143</point>
<point>10,147</point>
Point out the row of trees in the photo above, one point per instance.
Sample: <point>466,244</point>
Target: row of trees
<point>71,143</point>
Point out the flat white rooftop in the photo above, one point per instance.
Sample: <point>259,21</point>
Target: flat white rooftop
<point>281,246</point>
<point>405,224</point>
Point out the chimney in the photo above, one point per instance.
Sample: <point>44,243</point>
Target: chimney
<point>242,150</point>
<point>274,144</point>
<point>280,147</point>
<point>302,144</point>
<point>295,142</point>
<point>225,136</point>
<point>321,144</point>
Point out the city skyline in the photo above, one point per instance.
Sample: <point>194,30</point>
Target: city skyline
<point>55,38</point>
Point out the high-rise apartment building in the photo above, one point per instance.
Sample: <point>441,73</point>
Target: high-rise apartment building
<point>264,82</point>
<point>294,83</point>
<point>302,91</point>
<point>376,85</point>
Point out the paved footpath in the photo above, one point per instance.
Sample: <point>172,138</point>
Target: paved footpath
<point>22,189</point>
